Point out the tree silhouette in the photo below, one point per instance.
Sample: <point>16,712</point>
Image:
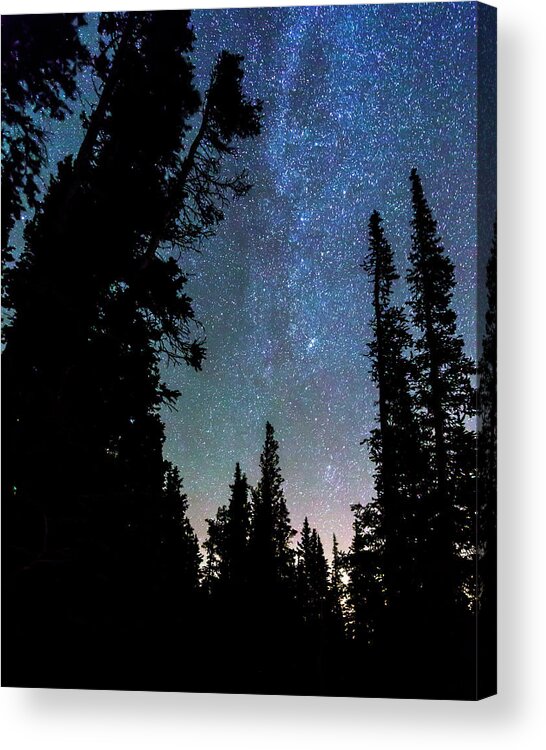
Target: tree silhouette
<point>364,567</point>
<point>395,447</point>
<point>41,58</point>
<point>487,486</point>
<point>84,380</point>
<point>199,193</point>
<point>129,308</point>
<point>272,555</point>
<point>227,542</point>
<point>312,576</point>
<point>216,570</point>
<point>303,553</point>
<point>103,324</point>
<point>178,544</point>
<point>106,583</point>
<point>238,530</point>
<point>444,393</point>
<point>337,592</point>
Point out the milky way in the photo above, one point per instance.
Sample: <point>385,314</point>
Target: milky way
<point>354,97</point>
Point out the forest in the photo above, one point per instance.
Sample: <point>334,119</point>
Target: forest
<point>105,583</point>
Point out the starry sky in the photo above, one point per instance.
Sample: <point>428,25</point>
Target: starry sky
<point>354,97</point>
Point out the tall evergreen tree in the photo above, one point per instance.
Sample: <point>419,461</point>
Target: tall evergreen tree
<point>318,574</point>
<point>272,554</point>
<point>238,529</point>
<point>303,554</point>
<point>227,543</point>
<point>395,444</point>
<point>128,308</point>
<point>337,592</point>
<point>95,313</point>
<point>365,589</point>
<point>486,586</point>
<point>216,570</point>
<point>82,243</point>
<point>312,576</point>
<point>487,388</point>
<point>42,56</point>
<point>446,398</point>
<point>178,545</point>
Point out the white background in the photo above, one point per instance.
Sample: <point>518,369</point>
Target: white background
<point>515,718</point>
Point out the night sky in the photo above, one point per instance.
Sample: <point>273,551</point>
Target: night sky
<point>354,97</point>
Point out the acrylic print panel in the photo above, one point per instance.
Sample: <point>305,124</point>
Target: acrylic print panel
<point>253,248</point>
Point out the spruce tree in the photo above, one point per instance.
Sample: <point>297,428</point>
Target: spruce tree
<point>365,591</point>
<point>486,585</point>
<point>227,543</point>
<point>216,566</point>
<point>303,554</point>
<point>395,444</point>
<point>337,592</point>
<point>81,247</point>
<point>238,530</point>
<point>446,399</point>
<point>177,542</point>
<point>312,576</point>
<point>42,56</point>
<point>318,575</point>
<point>487,388</point>
<point>273,556</point>
<point>117,307</point>
<point>84,379</point>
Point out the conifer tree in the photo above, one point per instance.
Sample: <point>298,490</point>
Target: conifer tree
<point>272,554</point>
<point>337,592</point>
<point>177,542</point>
<point>216,569</point>
<point>365,591</point>
<point>487,372</point>
<point>238,529</point>
<point>303,554</point>
<point>42,56</point>
<point>89,228</point>
<point>445,396</point>
<point>486,585</point>
<point>227,543</point>
<point>395,444</point>
<point>312,575</point>
<point>318,574</point>
<point>199,193</point>
<point>129,307</point>
<point>94,314</point>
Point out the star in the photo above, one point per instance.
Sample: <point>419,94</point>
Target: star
<point>354,97</point>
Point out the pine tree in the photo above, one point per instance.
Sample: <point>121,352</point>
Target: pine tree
<point>238,530</point>
<point>180,558</point>
<point>486,586</point>
<point>199,193</point>
<point>42,56</point>
<point>312,576</point>
<point>216,567</point>
<point>303,554</point>
<point>84,379</point>
<point>80,249</point>
<point>487,372</point>
<point>318,575</point>
<point>227,543</point>
<point>273,556</point>
<point>445,396</point>
<point>365,591</point>
<point>337,592</point>
<point>395,445</point>
<point>118,309</point>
